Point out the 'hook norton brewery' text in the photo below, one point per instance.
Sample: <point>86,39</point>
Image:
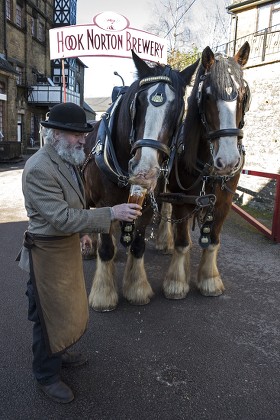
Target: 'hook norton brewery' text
<point>90,40</point>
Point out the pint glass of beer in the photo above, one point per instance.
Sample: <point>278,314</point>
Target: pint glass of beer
<point>137,194</point>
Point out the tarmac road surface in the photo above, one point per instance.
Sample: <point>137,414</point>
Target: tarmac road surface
<point>196,358</point>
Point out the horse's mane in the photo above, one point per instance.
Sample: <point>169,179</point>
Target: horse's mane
<point>223,73</point>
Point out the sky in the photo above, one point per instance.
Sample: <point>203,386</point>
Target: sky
<point>99,76</point>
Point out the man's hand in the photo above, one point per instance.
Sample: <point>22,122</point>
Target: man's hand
<point>126,212</point>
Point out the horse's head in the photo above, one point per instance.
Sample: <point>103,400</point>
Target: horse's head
<point>223,98</point>
<point>156,112</point>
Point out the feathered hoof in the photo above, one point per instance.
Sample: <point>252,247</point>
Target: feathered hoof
<point>139,297</point>
<point>212,293</point>
<point>139,303</point>
<point>212,287</point>
<point>99,309</point>
<point>103,305</point>
<point>175,297</point>
<point>176,293</point>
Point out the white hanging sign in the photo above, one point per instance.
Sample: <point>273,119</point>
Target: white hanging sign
<point>109,36</point>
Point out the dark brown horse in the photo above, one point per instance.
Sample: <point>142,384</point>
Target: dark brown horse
<point>206,168</point>
<point>130,146</point>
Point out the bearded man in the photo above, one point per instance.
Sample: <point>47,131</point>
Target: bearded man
<point>55,204</point>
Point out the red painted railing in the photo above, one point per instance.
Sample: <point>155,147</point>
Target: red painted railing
<point>274,233</point>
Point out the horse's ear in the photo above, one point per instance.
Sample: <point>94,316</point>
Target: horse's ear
<point>207,58</point>
<point>243,54</point>
<point>188,72</point>
<point>142,68</point>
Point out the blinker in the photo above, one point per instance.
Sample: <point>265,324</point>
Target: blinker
<point>158,97</point>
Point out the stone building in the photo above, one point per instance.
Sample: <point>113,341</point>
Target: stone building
<point>30,84</point>
<point>258,22</point>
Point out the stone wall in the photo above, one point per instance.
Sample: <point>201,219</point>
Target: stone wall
<point>261,136</point>
<point>262,122</point>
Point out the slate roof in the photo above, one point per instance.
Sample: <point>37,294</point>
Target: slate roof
<point>99,104</point>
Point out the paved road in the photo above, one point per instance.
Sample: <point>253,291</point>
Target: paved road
<point>197,358</point>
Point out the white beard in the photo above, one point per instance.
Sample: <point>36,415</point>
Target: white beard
<point>70,153</point>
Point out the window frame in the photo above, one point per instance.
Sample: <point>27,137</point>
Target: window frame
<point>19,16</point>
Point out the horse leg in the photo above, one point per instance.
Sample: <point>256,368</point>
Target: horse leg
<point>209,281</point>
<point>176,282</point>
<point>103,295</point>
<point>164,241</point>
<point>136,288</point>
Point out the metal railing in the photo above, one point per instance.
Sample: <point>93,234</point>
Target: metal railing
<point>45,94</point>
<point>274,232</point>
<point>265,45</point>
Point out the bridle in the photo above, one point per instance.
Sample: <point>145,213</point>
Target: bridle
<point>211,135</point>
<point>157,99</point>
<point>103,150</point>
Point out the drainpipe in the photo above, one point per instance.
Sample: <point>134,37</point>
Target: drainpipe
<point>5,29</point>
<point>235,33</point>
<point>235,17</point>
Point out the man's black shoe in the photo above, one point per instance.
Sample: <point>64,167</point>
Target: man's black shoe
<point>73,359</point>
<point>58,392</point>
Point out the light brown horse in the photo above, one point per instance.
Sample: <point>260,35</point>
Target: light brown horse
<point>130,146</point>
<point>206,169</point>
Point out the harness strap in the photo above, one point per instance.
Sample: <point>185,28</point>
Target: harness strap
<point>202,173</point>
<point>225,132</point>
<point>105,156</point>
<point>151,143</point>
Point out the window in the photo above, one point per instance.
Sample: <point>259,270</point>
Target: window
<point>33,31</point>
<point>34,129</point>
<point>41,32</point>
<point>9,9</point>
<point>275,16</point>
<point>19,75</point>
<point>56,80</point>
<point>2,91</point>
<point>19,15</point>
<point>268,15</point>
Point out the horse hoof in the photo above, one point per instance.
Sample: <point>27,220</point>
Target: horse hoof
<point>142,303</point>
<point>104,309</point>
<point>215,293</point>
<point>100,305</point>
<point>176,291</point>
<point>212,287</point>
<point>175,297</point>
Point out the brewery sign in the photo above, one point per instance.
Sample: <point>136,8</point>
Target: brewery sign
<point>108,36</point>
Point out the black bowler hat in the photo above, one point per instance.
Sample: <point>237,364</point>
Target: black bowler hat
<point>69,117</point>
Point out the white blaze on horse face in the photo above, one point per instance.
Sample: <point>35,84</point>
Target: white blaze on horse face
<point>148,166</point>
<point>227,156</point>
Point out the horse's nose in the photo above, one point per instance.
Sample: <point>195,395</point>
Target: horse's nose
<point>219,163</point>
<point>222,164</point>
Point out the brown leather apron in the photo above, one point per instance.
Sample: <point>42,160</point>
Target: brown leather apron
<point>56,270</point>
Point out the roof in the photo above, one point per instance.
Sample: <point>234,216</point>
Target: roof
<point>240,5</point>
<point>100,104</point>
<point>87,107</point>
